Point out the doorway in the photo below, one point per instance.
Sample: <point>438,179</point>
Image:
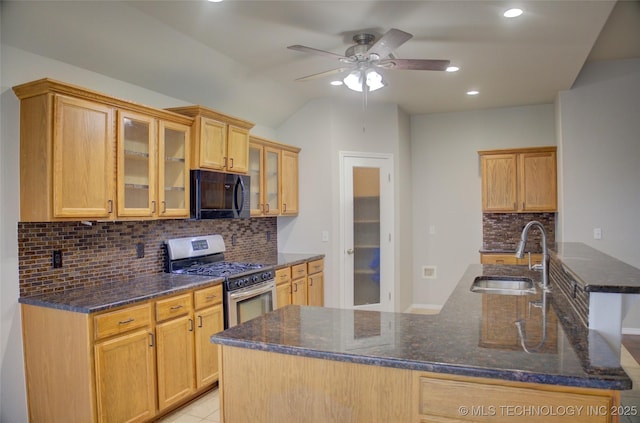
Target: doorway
<point>367,244</point>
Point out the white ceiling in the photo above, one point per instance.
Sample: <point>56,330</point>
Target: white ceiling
<point>232,56</point>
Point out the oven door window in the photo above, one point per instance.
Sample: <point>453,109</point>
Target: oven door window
<point>254,307</point>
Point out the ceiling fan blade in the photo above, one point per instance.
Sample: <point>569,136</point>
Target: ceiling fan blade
<point>390,41</point>
<point>315,51</point>
<point>323,74</point>
<point>414,64</point>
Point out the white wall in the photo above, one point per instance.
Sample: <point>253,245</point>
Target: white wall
<point>600,142</point>
<point>447,188</point>
<point>322,129</point>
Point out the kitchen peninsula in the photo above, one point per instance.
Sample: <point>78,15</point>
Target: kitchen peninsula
<point>467,363</point>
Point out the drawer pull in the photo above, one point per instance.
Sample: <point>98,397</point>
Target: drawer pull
<point>211,297</point>
<point>199,321</point>
<point>124,322</point>
<point>190,325</point>
<point>151,340</point>
<point>174,308</point>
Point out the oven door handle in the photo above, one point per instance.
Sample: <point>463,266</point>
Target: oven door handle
<point>242,294</point>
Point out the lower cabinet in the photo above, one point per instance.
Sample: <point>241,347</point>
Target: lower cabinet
<point>283,287</point>
<point>127,365</point>
<point>125,375</point>
<point>208,319</point>
<point>307,285</point>
<point>175,360</point>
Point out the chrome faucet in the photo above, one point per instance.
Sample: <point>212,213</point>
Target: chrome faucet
<point>545,252</point>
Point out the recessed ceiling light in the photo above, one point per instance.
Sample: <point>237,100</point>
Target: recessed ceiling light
<point>473,92</point>
<point>512,13</point>
<point>452,69</point>
<point>336,83</point>
<point>215,1</point>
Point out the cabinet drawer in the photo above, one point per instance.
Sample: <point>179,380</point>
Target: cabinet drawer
<point>173,307</point>
<point>445,399</point>
<point>299,271</point>
<point>509,259</point>
<point>116,322</point>
<point>283,275</point>
<point>207,296</point>
<point>315,266</point>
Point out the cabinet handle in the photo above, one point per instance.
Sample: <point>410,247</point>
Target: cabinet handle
<point>296,287</point>
<point>267,204</point>
<point>199,321</point>
<point>164,207</point>
<point>153,206</point>
<point>211,297</point>
<point>231,160</point>
<point>350,251</point>
<point>190,325</point>
<point>124,322</point>
<point>152,339</point>
<point>310,282</point>
<point>224,163</point>
<point>110,206</point>
<point>178,307</point>
<point>284,207</point>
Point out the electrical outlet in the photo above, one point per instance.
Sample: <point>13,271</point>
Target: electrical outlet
<point>428,272</point>
<point>325,236</point>
<point>56,259</point>
<point>139,250</point>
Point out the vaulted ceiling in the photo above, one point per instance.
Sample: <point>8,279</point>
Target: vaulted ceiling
<point>232,56</point>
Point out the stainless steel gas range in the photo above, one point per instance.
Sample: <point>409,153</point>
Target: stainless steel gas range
<point>249,288</point>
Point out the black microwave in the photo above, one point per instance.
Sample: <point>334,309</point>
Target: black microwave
<point>218,195</point>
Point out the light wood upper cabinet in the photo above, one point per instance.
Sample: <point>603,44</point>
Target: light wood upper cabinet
<point>220,142</point>
<point>521,180</point>
<point>264,171</point>
<point>63,174</point>
<point>173,169</point>
<point>273,168</point>
<point>289,189</point>
<point>89,156</point>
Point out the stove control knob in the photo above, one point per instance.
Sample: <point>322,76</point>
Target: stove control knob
<point>255,278</point>
<point>245,282</point>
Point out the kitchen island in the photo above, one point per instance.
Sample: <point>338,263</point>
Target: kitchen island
<point>467,363</point>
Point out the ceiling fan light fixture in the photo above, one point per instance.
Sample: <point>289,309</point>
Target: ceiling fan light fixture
<point>336,83</point>
<point>356,79</point>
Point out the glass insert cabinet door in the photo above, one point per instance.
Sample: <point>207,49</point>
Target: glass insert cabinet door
<point>173,169</point>
<point>136,164</point>
<point>264,171</point>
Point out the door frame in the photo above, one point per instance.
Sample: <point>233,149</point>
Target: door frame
<point>386,226</point>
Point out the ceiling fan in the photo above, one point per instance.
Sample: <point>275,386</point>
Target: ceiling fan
<point>362,59</point>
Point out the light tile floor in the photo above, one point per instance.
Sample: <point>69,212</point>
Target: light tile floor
<point>206,409</point>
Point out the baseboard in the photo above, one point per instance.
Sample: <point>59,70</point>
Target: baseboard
<point>424,308</point>
<point>631,331</point>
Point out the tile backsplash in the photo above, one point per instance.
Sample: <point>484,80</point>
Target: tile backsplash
<point>106,251</point>
<point>501,231</point>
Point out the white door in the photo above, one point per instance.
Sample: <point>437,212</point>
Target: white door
<point>367,242</point>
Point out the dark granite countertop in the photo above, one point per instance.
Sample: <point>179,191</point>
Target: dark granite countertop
<point>106,296</point>
<point>597,271</point>
<point>454,341</point>
<point>291,259</point>
<point>115,294</point>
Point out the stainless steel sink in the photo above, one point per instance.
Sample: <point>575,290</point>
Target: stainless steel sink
<point>503,285</point>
